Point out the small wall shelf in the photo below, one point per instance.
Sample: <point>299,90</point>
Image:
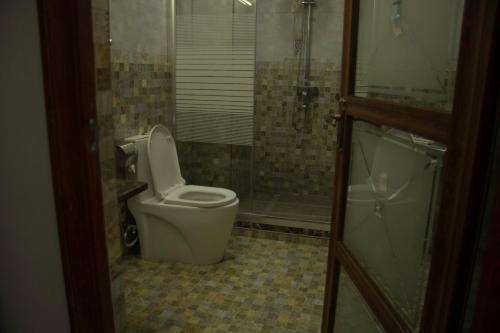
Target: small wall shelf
<point>126,189</point>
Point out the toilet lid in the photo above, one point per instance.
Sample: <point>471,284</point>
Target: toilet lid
<point>163,161</point>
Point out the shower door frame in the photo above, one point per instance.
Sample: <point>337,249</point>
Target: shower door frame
<point>466,131</point>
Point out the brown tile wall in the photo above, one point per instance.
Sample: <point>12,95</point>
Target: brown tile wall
<point>100,14</point>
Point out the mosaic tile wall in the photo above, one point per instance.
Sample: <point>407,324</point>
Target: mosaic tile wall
<point>136,77</point>
<point>100,14</point>
<point>218,165</point>
<point>104,119</point>
<point>293,153</point>
<point>140,72</point>
<point>141,95</point>
<point>294,149</point>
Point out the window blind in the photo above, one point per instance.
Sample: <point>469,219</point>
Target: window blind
<point>215,73</point>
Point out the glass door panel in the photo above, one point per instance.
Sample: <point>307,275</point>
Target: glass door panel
<point>407,51</point>
<point>213,85</point>
<point>352,313</point>
<point>391,209</point>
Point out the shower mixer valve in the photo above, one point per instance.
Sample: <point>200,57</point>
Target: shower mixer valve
<point>306,94</point>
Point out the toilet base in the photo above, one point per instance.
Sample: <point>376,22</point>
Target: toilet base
<point>183,234</point>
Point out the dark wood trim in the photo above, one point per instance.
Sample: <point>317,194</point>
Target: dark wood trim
<point>476,96</point>
<point>351,16</point>
<point>331,291</point>
<point>127,189</point>
<point>487,312</point>
<point>374,298</point>
<point>424,122</point>
<point>338,214</point>
<point>69,80</point>
<point>342,166</point>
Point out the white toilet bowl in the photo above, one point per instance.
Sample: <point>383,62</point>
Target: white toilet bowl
<point>178,222</point>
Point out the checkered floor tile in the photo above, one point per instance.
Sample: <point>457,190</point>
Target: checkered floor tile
<point>263,285</point>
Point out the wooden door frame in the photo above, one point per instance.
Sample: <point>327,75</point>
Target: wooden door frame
<point>486,317</point>
<point>70,95</point>
<point>69,78</point>
<point>467,133</point>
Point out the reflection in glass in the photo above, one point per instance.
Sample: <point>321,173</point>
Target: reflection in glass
<point>391,211</point>
<point>408,51</point>
<point>352,314</point>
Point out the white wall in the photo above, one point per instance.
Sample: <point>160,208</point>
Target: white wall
<point>276,30</point>
<point>32,294</point>
<point>139,27</point>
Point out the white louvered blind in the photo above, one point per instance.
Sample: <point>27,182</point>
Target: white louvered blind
<point>215,72</point>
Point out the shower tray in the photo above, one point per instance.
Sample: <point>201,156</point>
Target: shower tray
<point>297,211</point>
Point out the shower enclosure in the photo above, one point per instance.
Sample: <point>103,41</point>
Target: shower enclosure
<point>252,86</point>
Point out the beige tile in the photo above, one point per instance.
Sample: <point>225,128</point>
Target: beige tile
<point>266,284</point>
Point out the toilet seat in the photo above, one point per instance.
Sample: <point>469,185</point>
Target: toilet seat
<point>169,186</point>
<point>199,196</point>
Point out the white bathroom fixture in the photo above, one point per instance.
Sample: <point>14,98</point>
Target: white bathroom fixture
<point>178,222</point>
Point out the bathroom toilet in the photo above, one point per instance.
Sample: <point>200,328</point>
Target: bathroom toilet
<point>178,222</point>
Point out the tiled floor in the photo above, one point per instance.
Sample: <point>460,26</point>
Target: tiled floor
<point>264,285</point>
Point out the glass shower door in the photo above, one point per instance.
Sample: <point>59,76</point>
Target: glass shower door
<point>294,148</point>
<point>214,93</point>
<point>239,122</point>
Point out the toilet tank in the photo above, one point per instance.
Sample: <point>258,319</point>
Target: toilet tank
<point>142,170</point>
